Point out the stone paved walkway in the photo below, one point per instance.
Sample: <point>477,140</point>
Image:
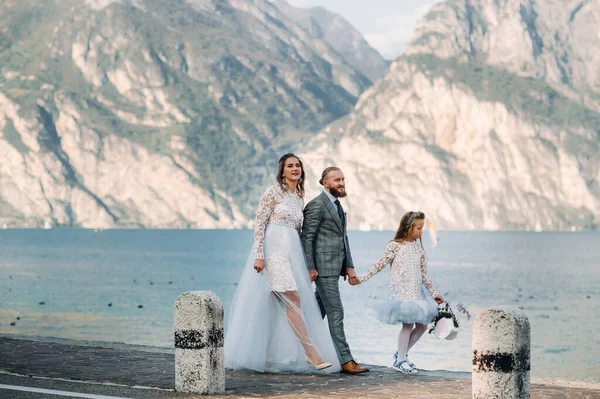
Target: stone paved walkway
<point>133,366</point>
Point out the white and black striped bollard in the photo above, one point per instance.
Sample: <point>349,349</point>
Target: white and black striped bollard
<point>501,354</point>
<point>199,356</point>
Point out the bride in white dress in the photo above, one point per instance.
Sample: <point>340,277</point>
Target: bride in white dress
<point>274,323</point>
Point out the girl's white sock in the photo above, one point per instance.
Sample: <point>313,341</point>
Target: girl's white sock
<point>415,335</point>
<point>403,338</point>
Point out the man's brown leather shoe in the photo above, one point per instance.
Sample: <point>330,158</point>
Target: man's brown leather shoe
<point>352,367</point>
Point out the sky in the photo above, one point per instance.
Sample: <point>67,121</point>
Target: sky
<point>386,24</point>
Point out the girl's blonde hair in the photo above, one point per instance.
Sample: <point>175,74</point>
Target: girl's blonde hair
<point>407,222</point>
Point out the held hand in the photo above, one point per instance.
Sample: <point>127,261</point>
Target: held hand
<point>351,272</point>
<point>439,299</point>
<point>259,265</point>
<point>352,277</point>
<point>354,280</point>
<point>313,274</point>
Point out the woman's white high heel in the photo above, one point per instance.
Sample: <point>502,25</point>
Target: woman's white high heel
<point>320,366</point>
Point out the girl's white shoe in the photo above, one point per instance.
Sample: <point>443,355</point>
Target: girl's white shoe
<point>407,359</point>
<point>404,367</point>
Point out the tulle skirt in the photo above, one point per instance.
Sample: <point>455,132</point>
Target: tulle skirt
<point>396,311</point>
<point>259,336</point>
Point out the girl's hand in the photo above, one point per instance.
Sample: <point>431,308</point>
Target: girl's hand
<point>439,299</point>
<point>259,265</point>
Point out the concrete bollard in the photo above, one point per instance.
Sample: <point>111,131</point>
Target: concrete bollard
<point>501,354</point>
<point>199,355</point>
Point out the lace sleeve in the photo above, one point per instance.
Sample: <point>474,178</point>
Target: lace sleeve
<point>426,279</point>
<point>263,213</point>
<point>388,257</point>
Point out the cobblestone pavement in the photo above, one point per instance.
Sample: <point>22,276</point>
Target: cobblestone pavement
<point>138,366</point>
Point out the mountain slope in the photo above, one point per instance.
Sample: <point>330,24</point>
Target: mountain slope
<point>490,120</point>
<point>341,35</point>
<point>163,114</point>
<point>156,114</point>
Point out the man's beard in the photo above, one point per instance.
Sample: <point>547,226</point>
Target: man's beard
<point>336,193</point>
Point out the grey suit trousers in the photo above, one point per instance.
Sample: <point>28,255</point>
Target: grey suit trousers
<point>328,297</point>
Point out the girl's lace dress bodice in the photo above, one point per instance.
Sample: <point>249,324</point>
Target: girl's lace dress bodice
<point>409,270</point>
<point>279,211</point>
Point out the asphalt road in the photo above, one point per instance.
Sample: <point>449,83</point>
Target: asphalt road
<point>18,387</point>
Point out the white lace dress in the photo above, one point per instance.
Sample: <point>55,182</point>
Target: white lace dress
<point>277,208</point>
<point>411,290</point>
<point>258,335</point>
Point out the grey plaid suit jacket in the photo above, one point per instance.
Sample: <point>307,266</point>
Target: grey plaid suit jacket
<point>324,238</point>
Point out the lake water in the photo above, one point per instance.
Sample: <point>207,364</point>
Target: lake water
<point>76,274</point>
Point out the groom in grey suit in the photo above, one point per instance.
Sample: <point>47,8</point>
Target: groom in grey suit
<point>328,257</point>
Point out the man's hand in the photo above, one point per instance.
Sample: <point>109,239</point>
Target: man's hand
<point>259,265</point>
<point>351,272</point>
<point>313,274</point>
<point>352,277</point>
<point>354,280</point>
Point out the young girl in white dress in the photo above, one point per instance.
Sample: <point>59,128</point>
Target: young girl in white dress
<point>409,303</point>
<point>275,324</point>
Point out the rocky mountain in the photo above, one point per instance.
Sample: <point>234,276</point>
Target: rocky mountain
<point>155,113</point>
<point>341,35</point>
<point>490,120</point>
<point>123,113</point>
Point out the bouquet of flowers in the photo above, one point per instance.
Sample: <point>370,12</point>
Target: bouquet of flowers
<point>445,324</point>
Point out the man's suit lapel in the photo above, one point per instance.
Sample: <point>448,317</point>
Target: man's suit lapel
<point>332,210</point>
